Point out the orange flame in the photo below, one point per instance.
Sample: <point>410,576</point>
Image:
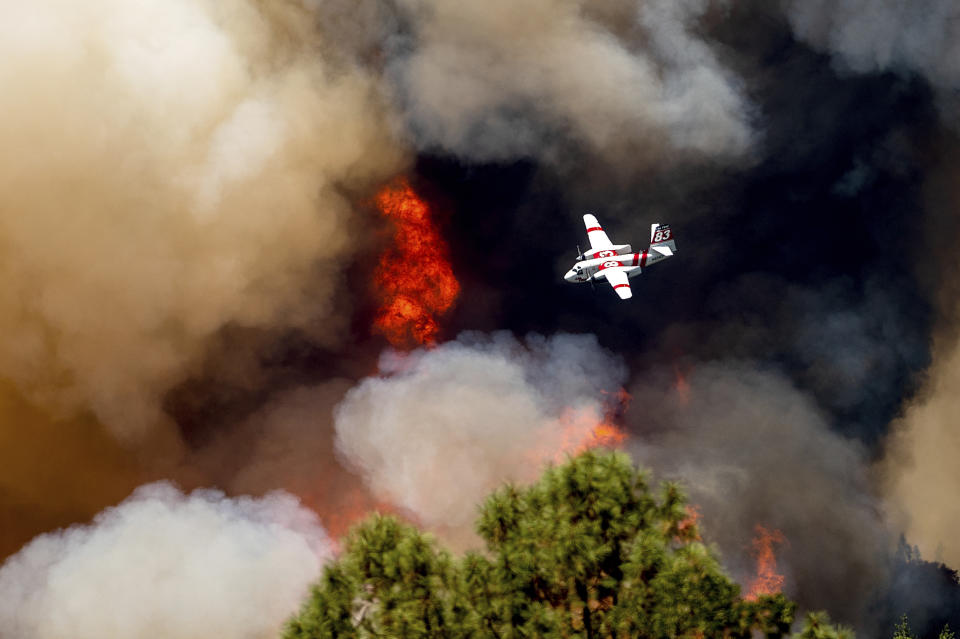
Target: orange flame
<point>767,581</point>
<point>584,429</point>
<point>414,277</point>
<point>688,527</point>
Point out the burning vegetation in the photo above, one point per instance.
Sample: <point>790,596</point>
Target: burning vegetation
<point>584,430</point>
<point>767,581</point>
<point>414,277</point>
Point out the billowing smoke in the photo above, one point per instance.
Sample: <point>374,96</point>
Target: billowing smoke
<point>630,82</point>
<point>168,168</point>
<point>753,449</point>
<point>444,427</point>
<point>166,565</point>
<point>869,36</point>
<point>177,187</point>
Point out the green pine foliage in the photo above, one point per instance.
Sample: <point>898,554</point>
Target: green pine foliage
<point>817,626</point>
<point>902,630</point>
<point>589,551</point>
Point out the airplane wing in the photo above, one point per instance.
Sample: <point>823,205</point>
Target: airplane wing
<point>598,239</point>
<point>618,279</point>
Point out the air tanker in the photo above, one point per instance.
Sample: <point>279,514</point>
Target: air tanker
<point>615,263</point>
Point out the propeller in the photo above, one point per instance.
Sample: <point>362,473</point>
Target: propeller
<point>579,253</point>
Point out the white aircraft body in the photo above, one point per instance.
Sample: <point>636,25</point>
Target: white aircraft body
<point>615,263</point>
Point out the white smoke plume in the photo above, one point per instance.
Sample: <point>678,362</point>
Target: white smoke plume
<point>166,168</point>
<point>888,35</point>
<point>632,82</point>
<point>165,565</point>
<point>444,427</point>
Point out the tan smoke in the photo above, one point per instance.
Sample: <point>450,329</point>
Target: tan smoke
<point>629,81</point>
<point>921,467</point>
<point>54,472</point>
<point>288,445</point>
<point>449,425</point>
<point>167,167</point>
<point>164,565</point>
<point>923,464</point>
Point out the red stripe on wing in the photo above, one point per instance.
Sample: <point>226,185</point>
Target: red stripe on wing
<point>620,286</point>
<point>594,228</point>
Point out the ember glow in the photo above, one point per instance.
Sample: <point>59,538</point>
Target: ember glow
<point>341,512</point>
<point>768,581</point>
<point>414,277</point>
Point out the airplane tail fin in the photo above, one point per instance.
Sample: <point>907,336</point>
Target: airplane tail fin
<point>662,240</point>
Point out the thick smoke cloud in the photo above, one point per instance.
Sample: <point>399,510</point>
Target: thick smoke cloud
<point>870,36</point>
<point>631,82</point>
<point>752,449</point>
<point>175,186</point>
<point>167,168</point>
<point>166,565</point>
<point>444,427</point>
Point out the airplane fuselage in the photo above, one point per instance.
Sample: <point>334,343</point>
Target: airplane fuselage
<point>593,267</point>
<point>615,264</point>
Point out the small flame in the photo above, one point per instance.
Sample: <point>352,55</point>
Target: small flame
<point>688,527</point>
<point>583,429</point>
<point>768,581</point>
<point>414,277</point>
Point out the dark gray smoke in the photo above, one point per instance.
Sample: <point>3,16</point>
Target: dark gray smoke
<point>869,36</point>
<point>753,449</point>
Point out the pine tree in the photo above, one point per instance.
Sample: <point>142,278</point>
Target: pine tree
<point>590,551</point>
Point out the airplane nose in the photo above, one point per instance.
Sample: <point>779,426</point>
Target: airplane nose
<point>570,275</point>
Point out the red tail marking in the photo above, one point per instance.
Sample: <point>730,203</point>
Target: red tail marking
<point>636,259</point>
<point>643,259</point>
